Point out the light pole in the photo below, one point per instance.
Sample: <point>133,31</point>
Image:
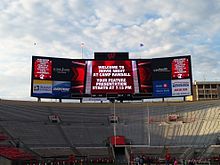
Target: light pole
<point>82,46</point>
<point>114,126</point>
<point>148,124</point>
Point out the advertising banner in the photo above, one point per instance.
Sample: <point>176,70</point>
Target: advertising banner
<point>161,69</point>
<point>162,88</point>
<point>61,89</point>
<point>42,88</point>
<point>62,70</point>
<point>48,88</point>
<point>181,87</point>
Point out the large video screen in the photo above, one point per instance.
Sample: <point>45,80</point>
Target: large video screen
<point>112,77</point>
<point>130,78</point>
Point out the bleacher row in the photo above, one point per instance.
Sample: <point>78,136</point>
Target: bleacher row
<point>87,125</point>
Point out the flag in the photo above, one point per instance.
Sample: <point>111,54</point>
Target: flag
<point>82,44</point>
<point>141,44</point>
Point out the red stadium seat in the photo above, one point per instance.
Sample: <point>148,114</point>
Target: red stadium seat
<point>13,153</point>
<point>3,137</point>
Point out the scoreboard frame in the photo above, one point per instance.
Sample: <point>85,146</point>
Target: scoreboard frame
<point>63,78</point>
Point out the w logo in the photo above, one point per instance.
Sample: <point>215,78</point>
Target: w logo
<point>111,56</point>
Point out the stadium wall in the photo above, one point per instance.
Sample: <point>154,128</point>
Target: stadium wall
<point>5,161</point>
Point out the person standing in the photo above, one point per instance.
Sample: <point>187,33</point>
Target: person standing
<point>175,162</point>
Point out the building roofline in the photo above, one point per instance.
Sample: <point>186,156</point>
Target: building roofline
<point>206,82</point>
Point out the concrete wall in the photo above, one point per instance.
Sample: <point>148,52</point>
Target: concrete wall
<point>4,161</point>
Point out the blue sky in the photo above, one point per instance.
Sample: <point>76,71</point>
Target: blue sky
<point>167,28</point>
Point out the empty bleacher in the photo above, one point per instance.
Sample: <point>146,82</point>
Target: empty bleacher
<point>87,125</point>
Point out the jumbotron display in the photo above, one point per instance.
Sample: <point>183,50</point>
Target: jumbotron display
<point>126,79</point>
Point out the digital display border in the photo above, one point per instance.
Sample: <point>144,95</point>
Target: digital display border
<point>149,78</point>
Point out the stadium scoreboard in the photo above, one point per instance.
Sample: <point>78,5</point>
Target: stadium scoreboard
<point>121,78</point>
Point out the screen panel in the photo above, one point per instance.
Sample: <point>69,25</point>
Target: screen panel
<point>180,68</point>
<point>145,76</point>
<point>113,76</point>
<point>172,76</point>
<point>42,69</point>
<point>78,69</point>
<point>161,69</point>
<point>56,77</point>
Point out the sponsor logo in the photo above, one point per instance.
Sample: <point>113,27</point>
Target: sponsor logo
<point>42,88</point>
<point>180,84</point>
<point>165,85</point>
<point>111,56</point>
<point>61,88</point>
<point>161,70</point>
<point>181,87</point>
<point>61,70</point>
<point>36,88</point>
<point>162,88</point>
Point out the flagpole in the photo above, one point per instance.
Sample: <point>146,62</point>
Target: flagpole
<point>141,45</point>
<point>82,45</point>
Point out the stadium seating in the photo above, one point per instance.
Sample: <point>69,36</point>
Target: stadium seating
<point>14,153</point>
<point>85,128</point>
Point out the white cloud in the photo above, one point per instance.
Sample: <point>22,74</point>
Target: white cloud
<point>167,28</point>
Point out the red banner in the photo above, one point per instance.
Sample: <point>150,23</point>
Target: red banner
<point>117,140</point>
